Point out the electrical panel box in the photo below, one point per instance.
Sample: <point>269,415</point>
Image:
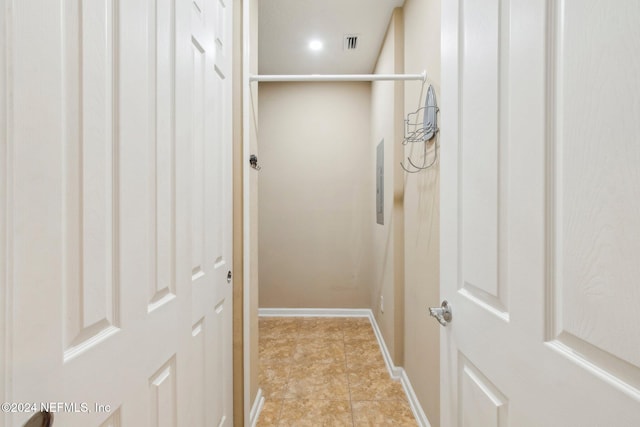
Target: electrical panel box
<point>380,183</point>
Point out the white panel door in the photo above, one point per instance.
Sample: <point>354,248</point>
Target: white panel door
<point>209,194</point>
<point>116,214</point>
<point>541,213</point>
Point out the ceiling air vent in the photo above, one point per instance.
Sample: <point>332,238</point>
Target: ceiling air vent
<point>350,42</point>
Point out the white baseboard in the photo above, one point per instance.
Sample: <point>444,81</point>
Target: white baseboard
<point>256,408</point>
<point>394,371</point>
<point>314,312</point>
<point>397,372</point>
<point>416,408</point>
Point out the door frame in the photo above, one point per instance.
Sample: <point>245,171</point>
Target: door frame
<point>246,219</point>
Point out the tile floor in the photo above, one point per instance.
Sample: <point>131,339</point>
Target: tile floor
<point>326,372</point>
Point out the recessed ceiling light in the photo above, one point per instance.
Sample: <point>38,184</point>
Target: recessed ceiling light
<point>315,45</point>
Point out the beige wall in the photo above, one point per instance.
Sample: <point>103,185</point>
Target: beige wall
<point>316,196</point>
<point>422,221</point>
<point>388,247</point>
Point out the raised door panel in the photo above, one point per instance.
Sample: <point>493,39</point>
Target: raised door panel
<point>223,37</point>
<point>482,162</point>
<point>481,404</point>
<point>218,183</point>
<point>198,406</point>
<point>199,169</point>
<point>114,420</point>
<point>91,291</point>
<point>220,369</point>
<point>163,396</point>
<point>595,187</point>
<point>197,192</point>
<point>161,33</point>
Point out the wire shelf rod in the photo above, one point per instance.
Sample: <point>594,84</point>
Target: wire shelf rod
<point>335,77</point>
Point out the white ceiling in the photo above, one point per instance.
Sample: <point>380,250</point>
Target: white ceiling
<point>287,26</point>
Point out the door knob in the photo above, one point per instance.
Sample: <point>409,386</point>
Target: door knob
<point>442,314</point>
<point>229,277</point>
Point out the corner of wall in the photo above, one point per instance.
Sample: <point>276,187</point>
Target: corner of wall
<point>422,213</point>
<point>398,189</point>
<point>387,106</point>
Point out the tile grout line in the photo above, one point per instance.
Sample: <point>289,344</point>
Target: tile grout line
<point>286,386</point>
<point>346,370</point>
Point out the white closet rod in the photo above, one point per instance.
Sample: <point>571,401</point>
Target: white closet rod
<point>336,77</point>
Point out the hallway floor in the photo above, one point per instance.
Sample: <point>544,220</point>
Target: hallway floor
<point>327,372</point>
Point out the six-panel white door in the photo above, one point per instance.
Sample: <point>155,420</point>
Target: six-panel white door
<point>118,212</point>
<point>541,213</point>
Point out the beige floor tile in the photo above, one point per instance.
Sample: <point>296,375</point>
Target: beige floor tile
<point>360,345</point>
<point>326,381</point>
<point>270,414</point>
<point>276,350</point>
<point>273,379</point>
<point>321,328</point>
<point>370,370</point>
<point>328,321</point>
<point>279,321</point>
<point>357,323</point>
<point>375,384</point>
<point>363,357</point>
<point>318,351</point>
<point>316,413</point>
<point>383,413</point>
<point>363,351</point>
<point>359,333</point>
<point>357,363</point>
<point>349,321</point>
<point>365,365</point>
<point>278,327</point>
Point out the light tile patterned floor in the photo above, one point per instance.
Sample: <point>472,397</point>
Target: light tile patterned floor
<point>326,372</point>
